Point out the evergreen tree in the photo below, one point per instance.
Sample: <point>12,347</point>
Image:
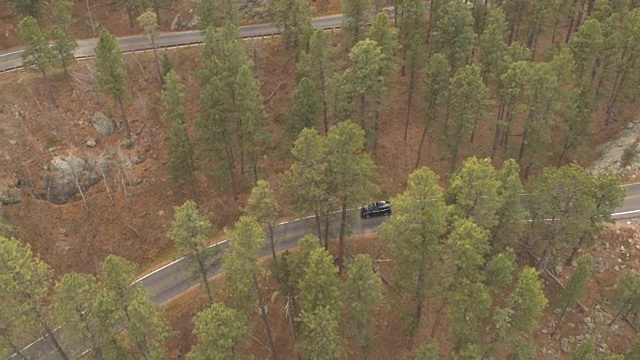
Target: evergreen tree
<point>111,72</point>
<point>36,50</point>
<point>575,288</point>
<point>384,35</point>
<point>437,74</point>
<point>60,11</point>
<point>263,206</point>
<point>540,11</point>
<point>26,8</point>
<point>217,13</point>
<point>317,64</point>
<point>626,297</point>
<point>190,232</point>
<point>468,105</point>
<point>453,33</point>
<point>575,124</point>
<point>250,118</point>
<point>350,170</point>
<point>181,166</point>
<point>148,21</point>
<point>74,305</point>
<point>306,108</point>
<point>321,334</point>
<point>584,351</point>
<point>321,307</point>
<point>515,11</point>
<point>307,182</point>
<point>491,43</point>
<point>148,329</point>
<point>357,15</point>
<point>473,192</point>
<point>428,351</point>
<point>586,45</point>
<point>368,83</point>
<point>25,281</point>
<point>412,235</point>
<point>363,294</point>
<point>63,48</point>
<point>519,319</point>
<point>218,330</point>
<point>506,233</point>
<point>293,17</point>
<point>241,268</point>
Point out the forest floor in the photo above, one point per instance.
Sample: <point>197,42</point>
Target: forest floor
<point>132,220</point>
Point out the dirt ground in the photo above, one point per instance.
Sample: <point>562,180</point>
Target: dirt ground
<point>617,252</point>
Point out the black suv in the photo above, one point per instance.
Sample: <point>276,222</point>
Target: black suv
<point>378,208</point>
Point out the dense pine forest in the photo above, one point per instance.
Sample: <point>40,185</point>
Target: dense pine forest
<point>511,94</point>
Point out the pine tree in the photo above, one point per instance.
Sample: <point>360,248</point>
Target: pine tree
<point>317,64</point>
<point>25,281</point>
<point>412,235</point>
<point>111,72</point>
<point>294,18</point>
<point>217,13</point>
<point>263,206</point>
<point>241,268</point>
<point>321,307</point>
<point>575,288</point>
<point>536,19</point>
<point>63,47</point>
<point>468,105</point>
<point>218,330</point>
<point>384,35</point>
<point>519,319</point>
<point>74,305</point>
<point>307,182</point>
<point>363,294</point>
<point>36,50</point>
<point>515,11</point>
<point>473,192</point>
<point>190,232</point>
<point>368,84</point>
<point>26,8</point>
<point>437,82</point>
<point>148,21</point>
<point>181,166</point>
<point>428,351</point>
<point>491,43</point>
<point>250,118</point>
<point>586,45</point>
<point>626,297</point>
<point>306,108</point>
<point>148,329</point>
<point>506,233</point>
<point>350,170</point>
<point>453,33</point>
<point>357,15</point>
<point>584,351</point>
<point>60,11</point>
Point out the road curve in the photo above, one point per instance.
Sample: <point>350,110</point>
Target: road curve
<point>12,59</point>
<point>173,279</point>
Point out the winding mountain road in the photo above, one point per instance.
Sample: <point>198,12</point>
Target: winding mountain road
<point>173,279</point>
<point>12,59</point>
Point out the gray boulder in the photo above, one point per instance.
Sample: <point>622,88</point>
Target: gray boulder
<point>65,176</point>
<point>10,195</point>
<point>102,123</point>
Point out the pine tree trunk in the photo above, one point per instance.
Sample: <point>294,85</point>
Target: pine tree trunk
<point>272,242</point>
<point>265,320</point>
<point>325,106</point>
<point>343,225</point>
<point>203,276</point>
<point>16,350</point>
<point>560,318</point>
<point>54,341</point>
<point>376,126</point>
<point>156,8</point>
<point>230,168</point>
<point>48,85</point>
<point>326,231</point>
<point>419,299</point>
<point>319,226</point>
<point>436,322</point>
<point>422,140</point>
<point>130,16</point>
<point>496,136</point>
<point>124,117</point>
<point>409,100</point>
<point>155,55</point>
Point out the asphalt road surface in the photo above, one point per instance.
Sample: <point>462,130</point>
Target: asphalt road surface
<point>12,59</point>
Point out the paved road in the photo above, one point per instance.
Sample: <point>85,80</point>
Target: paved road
<point>173,279</point>
<point>12,59</point>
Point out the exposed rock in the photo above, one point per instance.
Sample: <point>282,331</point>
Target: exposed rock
<point>557,269</point>
<point>91,143</point>
<point>193,22</point>
<point>13,142</point>
<point>102,123</point>
<point>599,265</point>
<point>620,155</point>
<point>564,345</point>
<point>10,195</point>
<point>175,24</point>
<point>64,176</point>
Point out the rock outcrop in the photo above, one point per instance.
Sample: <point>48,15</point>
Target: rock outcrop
<point>102,123</point>
<point>64,177</point>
